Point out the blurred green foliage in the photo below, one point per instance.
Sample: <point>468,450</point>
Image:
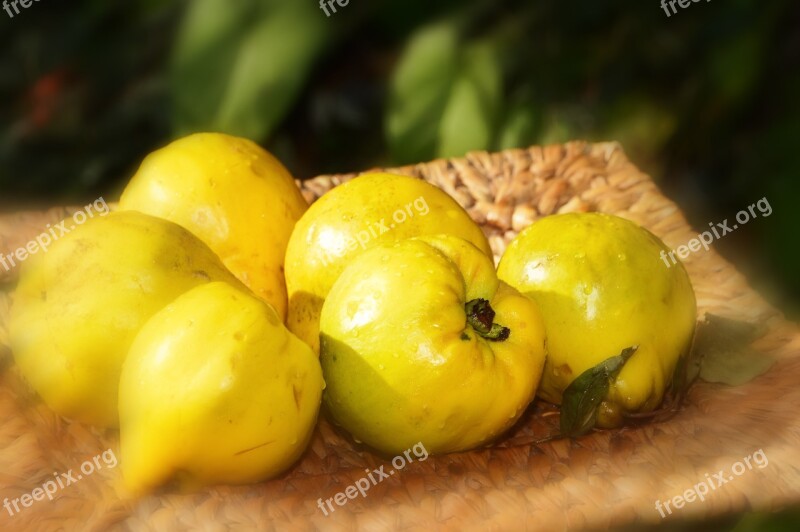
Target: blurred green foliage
<point>238,66</point>
<point>419,91</point>
<point>705,100</point>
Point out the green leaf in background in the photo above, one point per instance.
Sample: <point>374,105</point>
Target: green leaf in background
<point>724,347</point>
<point>272,65</point>
<point>419,90</point>
<point>470,116</point>
<point>204,52</point>
<point>582,397</point>
<point>240,66</point>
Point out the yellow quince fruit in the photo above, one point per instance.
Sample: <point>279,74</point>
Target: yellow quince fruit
<point>356,216</point>
<point>422,343</point>
<point>215,390</point>
<point>603,288</point>
<point>233,195</point>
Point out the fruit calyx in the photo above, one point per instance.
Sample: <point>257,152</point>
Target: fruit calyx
<point>480,316</point>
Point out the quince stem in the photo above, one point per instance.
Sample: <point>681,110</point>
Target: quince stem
<point>480,316</point>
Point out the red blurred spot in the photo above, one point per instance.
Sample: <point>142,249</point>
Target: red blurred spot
<point>44,95</point>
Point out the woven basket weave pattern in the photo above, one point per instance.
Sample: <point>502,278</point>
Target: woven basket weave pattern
<point>606,478</point>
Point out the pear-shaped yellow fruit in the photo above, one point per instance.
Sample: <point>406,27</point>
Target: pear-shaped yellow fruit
<point>215,390</point>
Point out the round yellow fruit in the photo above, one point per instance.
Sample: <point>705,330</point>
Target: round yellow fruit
<point>78,307</point>
<point>233,195</point>
<point>215,390</point>
<point>356,216</point>
<point>422,343</point>
<point>602,287</point>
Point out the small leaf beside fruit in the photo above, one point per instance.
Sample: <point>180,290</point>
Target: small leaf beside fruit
<point>583,396</point>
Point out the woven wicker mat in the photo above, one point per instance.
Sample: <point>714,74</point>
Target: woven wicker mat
<point>607,478</point>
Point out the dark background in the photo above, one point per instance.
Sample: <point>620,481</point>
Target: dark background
<point>705,100</point>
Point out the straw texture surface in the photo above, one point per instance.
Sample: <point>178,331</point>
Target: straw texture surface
<point>607,478</point>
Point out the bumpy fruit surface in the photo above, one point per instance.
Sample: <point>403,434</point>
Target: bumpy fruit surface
<point>602,286</point>
<point>422,343</point>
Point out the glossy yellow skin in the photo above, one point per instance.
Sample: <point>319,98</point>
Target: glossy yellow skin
<point>215,390</point>
<point>233,195</point>
<point>397,368</point>
<point>602,286</point>
<point>79,305</point>
<point>326,238</point>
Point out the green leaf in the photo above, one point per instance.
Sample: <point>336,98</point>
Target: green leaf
<point>419,90</point>
<point>205,49</point>
<point>274,61</point>
<point>470,116</point>
<point>583,396</point>
<point>238,66</point>
<point>723,345</point>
